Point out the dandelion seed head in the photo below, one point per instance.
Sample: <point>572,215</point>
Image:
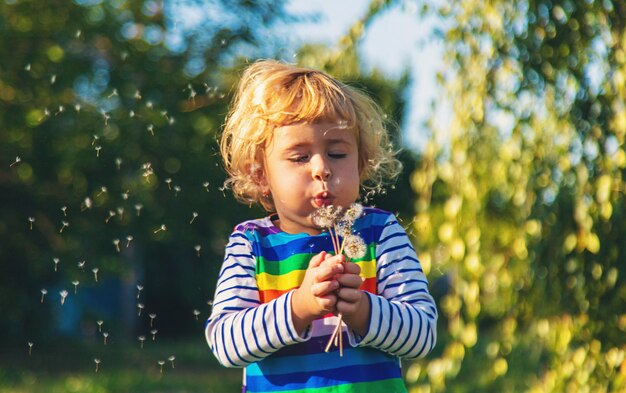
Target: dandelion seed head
<point>352,213</point>
<point>354,247</point>
<point>325,216</point>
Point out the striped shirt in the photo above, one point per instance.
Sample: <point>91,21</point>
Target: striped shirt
<point>251,317</point>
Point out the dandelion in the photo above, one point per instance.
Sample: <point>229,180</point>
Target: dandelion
<point>116,243</point>
<point>87,204</point>
<point>105,116</point>
<point>60,110</point>
<point>30,349</point>
<point>97,361</point>
<point>140,307</point>
<point>120,212</point>
<point>56,263</point>
<point>176,190</point>
<point>53,79</point>
<point>103,190</point>
<point>129,239</point>
<point>64,210</point>
<point>27,67</point>
<point>354,247</point>
<point>78,33</point>
<point>352,213</point>
<point>196,313</point>
<point>31,220</point>
<point>113,94</point>
<point>197,248</point>
<point>151,129</point>
<point>152,316</point>
<point>149,104</point>
<point>139,289</point>
<point>162,228</point>
<point>193,217</point>
<point>118,163</point>
<point>131,114</point>
<point>209,302</point>
<point>161,363</point>
<point>141,340</point>
<point>206,186</point>
<point>125,196</point>
<point>137,95</point>
<point>168,181</point>
<point>63,294</point>
<point>147,171</point>
<point>97,149</point>
<point>17,161</point>
<point>100,322</point>
<point>81,265</point>
<point>153,332</point>
<point>95,273</point>
<point>192,93</point>
<point>77,108</point>
<point>340,222</point>
<point>64,224</point>
<point>43,291</point>
<point>75,283</point>
<point>111,215</point>
<point>171,359</point>
<point>138,208</point>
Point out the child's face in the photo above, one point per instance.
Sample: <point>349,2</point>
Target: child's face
<point>308,166</point>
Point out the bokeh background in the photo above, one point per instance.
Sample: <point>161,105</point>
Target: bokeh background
<point>111,183</point>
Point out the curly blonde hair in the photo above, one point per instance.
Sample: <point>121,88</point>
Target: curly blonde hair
<point>272,94</point>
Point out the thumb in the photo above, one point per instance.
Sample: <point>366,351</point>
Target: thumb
<point>317,259</point>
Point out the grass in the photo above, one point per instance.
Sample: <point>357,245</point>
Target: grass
<point>70,367</point>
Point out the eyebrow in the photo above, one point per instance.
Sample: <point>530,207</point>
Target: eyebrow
<point>329,142</point>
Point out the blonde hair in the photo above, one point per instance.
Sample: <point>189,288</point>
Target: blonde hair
<point>272,94</point>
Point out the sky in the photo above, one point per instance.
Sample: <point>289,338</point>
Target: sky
<point>399,39</point>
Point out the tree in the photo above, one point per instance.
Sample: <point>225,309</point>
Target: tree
<point>521,202</point>
<point>109,112</point>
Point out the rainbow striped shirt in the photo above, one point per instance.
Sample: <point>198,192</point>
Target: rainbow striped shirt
<point>251,317</point>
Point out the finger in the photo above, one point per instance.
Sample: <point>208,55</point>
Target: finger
<point>328,302</point>
<point>317,259</point>
<point>327,272</point>
<point>324,288</point>
<point>352,268</point>
<point>350,280</point>
<point>346,308</point>
<point>335,259</point>
<point>349,295</point>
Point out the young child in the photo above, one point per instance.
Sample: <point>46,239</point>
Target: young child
<point>296,140</point>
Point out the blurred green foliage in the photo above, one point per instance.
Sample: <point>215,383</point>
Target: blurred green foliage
<point>520,197</point>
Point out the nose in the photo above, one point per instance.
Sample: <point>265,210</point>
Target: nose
<point>320,170</point>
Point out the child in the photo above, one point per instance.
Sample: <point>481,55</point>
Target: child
<point>297,140</point>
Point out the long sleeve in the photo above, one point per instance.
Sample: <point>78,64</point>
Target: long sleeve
<point>403,314</point>
<point>240,329</point>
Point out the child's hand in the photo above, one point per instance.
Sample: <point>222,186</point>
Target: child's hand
<point>349,295</point>
<point>351,301</point>
<point>316,295</point>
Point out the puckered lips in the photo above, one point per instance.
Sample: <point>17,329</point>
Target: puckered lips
<point>323,198</point>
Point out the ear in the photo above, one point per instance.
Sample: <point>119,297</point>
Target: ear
<point>257,174</point>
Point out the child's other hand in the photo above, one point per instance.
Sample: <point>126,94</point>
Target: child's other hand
<point>349,296</point>
<point>316,295</point>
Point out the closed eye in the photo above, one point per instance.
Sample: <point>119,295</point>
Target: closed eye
<point>299,159</point>
<point>337,155</point>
